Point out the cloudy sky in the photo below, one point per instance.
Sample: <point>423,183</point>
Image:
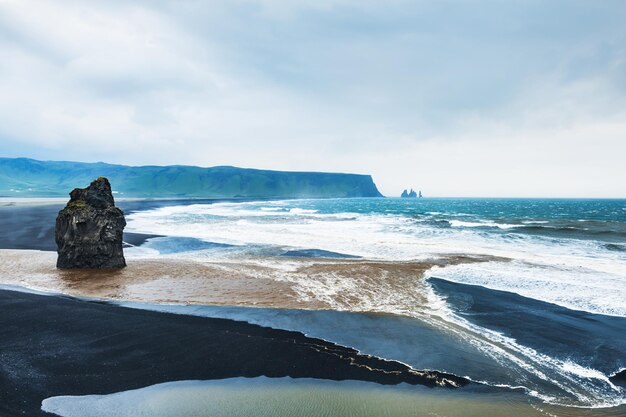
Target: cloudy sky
<point>457,98</point>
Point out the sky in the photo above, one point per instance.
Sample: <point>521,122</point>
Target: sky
<point>456,98</point>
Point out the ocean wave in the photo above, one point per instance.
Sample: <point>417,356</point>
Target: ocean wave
<point>484,223</point>
<point>545,267</point>
<point>615,247</point>
<point>567,286</point>
<point>557,381</point>
<point>583,231</point>
<point>580,229</point>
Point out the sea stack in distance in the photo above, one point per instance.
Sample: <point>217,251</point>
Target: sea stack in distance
<point>89,229</point>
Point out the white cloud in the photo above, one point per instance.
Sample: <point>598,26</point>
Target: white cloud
<point>501,102</point>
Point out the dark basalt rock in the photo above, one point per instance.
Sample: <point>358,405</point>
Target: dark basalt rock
<point>89,229</point>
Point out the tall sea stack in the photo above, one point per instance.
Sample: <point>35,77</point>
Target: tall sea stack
<point>89,229</point>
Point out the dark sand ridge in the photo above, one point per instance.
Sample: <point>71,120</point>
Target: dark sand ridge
<point>53,346</point>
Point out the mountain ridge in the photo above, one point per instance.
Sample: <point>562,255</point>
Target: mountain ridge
<point>26,177</point>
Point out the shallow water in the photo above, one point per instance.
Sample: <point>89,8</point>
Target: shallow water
<point>303,397</point>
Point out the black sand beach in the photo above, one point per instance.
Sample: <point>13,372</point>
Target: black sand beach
<point>54,345</point>
<point>31,225</point>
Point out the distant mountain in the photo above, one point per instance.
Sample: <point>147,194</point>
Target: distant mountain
<point>31,178</point>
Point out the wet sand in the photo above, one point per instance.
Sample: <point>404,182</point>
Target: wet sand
<point>51,345</point>
<point>355,285</point>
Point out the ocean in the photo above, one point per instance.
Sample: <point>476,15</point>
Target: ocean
<point>520,294</point>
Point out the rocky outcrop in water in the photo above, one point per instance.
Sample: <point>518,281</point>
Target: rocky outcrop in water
<point>89,229</point>
<point>411,194</point>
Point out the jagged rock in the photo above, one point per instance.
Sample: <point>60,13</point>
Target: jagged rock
<point>89,229</point>
<point>405,194</point>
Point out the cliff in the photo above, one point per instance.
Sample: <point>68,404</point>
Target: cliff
<point>28,177</point>
<point>89,229</point>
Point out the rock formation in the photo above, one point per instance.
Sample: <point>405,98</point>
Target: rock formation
<point>411,194</point>
<point>89,229</point>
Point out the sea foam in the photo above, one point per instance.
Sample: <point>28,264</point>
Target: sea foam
<point>578,274</point>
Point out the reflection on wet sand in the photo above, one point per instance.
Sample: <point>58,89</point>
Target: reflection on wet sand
<point>263,396</point>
